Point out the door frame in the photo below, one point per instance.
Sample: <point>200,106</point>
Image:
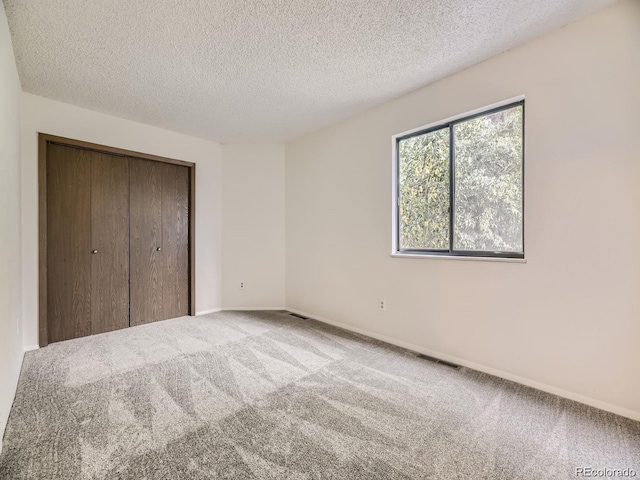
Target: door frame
<point>45,139</point>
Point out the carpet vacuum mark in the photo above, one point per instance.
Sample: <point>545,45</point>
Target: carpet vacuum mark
<point>264,395</point>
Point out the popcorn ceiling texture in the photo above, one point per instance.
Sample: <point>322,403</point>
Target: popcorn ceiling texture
<point>249,71</point>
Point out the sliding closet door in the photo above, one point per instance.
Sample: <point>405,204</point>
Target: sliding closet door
<point>109,242</point>
<point>175,240</point>
<point>159,195</point>
<point>115,239</point>
<point>68,242</point>
<point>87,242</point>
<point>146,241</point>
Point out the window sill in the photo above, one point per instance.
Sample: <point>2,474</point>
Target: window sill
<point>459,257</point>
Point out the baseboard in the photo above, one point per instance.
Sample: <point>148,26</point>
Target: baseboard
<point>28,348</point>
<point>4,419</point>
<point>204,312</point>
<point>625,412</point>
<point>226,309</point>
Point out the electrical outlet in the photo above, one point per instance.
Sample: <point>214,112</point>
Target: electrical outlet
<point>18,326</point>
<point>241,285</point>
<point>382,305</point>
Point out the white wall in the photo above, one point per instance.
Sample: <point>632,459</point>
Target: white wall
<point>10,286</point>
<point>47,116</point>
<point>253,230</point>
<point>567,321</point>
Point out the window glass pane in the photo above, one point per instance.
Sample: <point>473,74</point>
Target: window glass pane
<point>488,182</point>
<point>424,191</point>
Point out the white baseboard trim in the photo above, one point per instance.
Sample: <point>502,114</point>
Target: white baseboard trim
<point>28,348</point>
<point>625,412</point>
<point>204,312</point>
<point>226,309</point>
<point>249,309</point>
<point>12,387</point>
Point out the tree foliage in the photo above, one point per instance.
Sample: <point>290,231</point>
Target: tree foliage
<point>488,205</point>
<point>424,191</point>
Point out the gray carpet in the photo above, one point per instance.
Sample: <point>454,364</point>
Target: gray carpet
<point>240,395</point>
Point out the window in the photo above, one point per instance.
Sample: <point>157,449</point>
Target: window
<point>460,185</point>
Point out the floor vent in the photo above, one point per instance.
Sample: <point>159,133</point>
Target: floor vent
<point>298,316</point>
<point>437,360</point>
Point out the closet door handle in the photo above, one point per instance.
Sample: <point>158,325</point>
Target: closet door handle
<point>94,251</point>
<point>159,249</point>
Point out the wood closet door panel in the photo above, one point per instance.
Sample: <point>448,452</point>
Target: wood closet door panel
<point>110,241</point>
<point>146,275</point>
<point>68,242</point>
<point>175,236</point>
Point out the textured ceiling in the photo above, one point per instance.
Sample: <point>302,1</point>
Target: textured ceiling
<point>269,70</point>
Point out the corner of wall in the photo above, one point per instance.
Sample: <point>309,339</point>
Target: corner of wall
<point>11,315</point>
<point>253,226</point>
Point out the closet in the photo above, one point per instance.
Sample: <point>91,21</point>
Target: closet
<point>115,239</point>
